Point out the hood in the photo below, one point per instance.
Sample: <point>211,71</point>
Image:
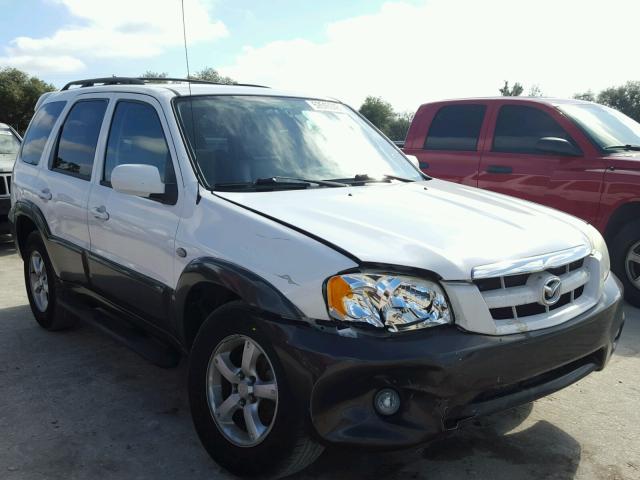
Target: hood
<point>7,161</point>
<point>434,225</point>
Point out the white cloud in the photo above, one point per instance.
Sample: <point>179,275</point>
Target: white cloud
<point>114,29</point>
<point>410,53</point>
<point>51,64</point>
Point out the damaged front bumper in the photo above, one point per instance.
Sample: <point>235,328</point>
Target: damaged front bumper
<point>443,375</point>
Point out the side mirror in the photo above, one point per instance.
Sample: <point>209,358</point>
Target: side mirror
<point>414,160</point>
<point>557,146</point>
<point>138,180</point>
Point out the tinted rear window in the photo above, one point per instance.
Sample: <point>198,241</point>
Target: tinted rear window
<point>456,127</point>
<point>78,138</point>
<point>39,131</point>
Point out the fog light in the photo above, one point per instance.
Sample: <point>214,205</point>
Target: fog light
<point>387,401</point>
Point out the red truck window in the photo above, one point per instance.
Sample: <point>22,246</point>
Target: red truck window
<point>519,128</point>
<point>456,127</point>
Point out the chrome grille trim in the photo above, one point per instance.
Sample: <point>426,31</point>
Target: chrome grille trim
<point>515,296</point>
<point>538,263</point>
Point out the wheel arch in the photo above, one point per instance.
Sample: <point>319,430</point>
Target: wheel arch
<point>208,283</point>
<point>621,217</point>
<point>25,218</point>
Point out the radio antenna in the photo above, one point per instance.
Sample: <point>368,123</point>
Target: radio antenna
<point>186,51</point>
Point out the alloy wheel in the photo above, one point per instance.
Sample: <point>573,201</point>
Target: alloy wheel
<point>242,390</point>
<point>38,281</point>
<point>632,264</point>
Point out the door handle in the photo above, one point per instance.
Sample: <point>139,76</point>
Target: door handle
<point>424,164</point>
<point>499,169</point>
<point>100,213</point>
<point>45,194</point>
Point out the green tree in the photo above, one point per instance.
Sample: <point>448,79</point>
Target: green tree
<point>589,96</point>
<point>211,75</point>
<point>514,91</point>
<point>535,91</point>
<point>625,98</point>
<point>152,74</point>
<point>18,96</point>
<point>378,112</point>
<point>399,126</point>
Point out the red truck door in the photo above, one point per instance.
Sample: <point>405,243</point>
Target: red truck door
<point>447,139</point>
<point>517,163</point>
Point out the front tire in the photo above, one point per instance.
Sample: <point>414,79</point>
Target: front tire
<point>40,281</point>
<point>625,260</point>
<point>241,404</point>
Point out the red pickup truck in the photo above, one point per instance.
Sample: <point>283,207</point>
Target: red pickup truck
<point>572,155</point>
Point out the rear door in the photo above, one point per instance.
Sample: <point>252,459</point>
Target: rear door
<point>511,163</point>
<point>133,238</point>
<point>450,147</point>
<point>66,182</point>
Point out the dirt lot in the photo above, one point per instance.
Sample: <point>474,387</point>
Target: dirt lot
<point>77,405</point>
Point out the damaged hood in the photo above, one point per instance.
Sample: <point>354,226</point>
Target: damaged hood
<point>433,225</point>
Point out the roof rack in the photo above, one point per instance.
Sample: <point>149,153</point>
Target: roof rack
<point>91,82</point>
<point>196,80</point>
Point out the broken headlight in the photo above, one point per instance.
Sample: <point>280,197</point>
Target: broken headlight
<point>392,302</point>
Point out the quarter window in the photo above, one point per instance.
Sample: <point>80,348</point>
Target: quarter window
<point>456,127</point>
<point>136,137</point>
<point>78,139</point>
<point>519,128</point>
<point>39,131</point>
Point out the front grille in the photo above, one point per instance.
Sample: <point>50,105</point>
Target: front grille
<point>5,185</point>
<point>512,297</point>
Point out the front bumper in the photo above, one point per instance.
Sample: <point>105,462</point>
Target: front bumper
<point>443,375</point>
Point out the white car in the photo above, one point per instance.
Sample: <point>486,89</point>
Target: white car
<point>325,291</point>
<point>9,146</point>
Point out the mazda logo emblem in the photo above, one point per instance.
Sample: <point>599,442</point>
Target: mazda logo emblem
<point>551,291</point>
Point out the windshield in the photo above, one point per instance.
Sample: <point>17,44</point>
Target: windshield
<point>606,126</point>
<point>9,144</point>
<point>240,139</point>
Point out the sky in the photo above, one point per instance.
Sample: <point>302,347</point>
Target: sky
<point>405,51</point>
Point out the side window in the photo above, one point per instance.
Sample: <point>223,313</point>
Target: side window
<point>518,129</point>
<point>136,137</point>
<point>76,147</point>
<point>456,127</point>
<point>39,131</point>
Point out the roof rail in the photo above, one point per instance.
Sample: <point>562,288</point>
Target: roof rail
<point>91,82</point>
<point>196,80</point>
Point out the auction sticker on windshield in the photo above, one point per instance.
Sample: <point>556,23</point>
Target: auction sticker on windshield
<point>324,106</point>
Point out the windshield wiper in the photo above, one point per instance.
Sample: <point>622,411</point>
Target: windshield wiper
<point>270,183</point>
<point>362,178</point>
<point>278,180</point>
<point>628,146</point>
<point>400,179</point>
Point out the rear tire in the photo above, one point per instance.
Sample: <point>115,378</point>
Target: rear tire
<point>625,260</point>
<point>283,446</point>
<point>40,282</point>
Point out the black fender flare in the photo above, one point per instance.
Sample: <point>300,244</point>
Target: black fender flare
<point>245,284</point>
<point>26,208</point>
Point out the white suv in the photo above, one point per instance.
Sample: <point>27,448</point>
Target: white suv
<point>325,291</point>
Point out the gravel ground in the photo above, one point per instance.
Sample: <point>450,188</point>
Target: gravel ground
<point>78,405</point>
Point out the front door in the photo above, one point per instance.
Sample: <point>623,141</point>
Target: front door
<point>133,238</point>
<point>512,164</point>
